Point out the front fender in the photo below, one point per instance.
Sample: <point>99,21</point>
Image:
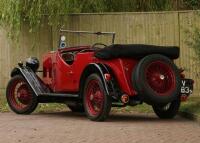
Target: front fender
<point>15,71</point>
<point>31,78</point>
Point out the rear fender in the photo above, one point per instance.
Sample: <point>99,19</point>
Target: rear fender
<point>101,70</point>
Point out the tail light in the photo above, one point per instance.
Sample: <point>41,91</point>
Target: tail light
<point>184,98</point>
<point>181,70</point>
<point>182,75</point>
<point>192,81</point>
<point>107,77</point>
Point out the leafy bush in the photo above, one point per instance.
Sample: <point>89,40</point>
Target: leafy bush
<point>196,42</point>
<point>191,4</point>
<point>193,41</point>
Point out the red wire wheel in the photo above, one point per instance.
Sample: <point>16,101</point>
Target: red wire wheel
<point>96,102</point>
<point>20,97</point>
<point>94,97</point>
<point>157,80</point>
<point>160,77</point>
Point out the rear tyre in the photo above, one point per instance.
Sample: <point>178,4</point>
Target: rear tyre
<point>168,111</point>
<point>20,96</point>
<point>76,108</point>
<point>157,80</point>
<point>96,102</point>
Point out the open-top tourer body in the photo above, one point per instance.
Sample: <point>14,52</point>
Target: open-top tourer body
<point>92,79</point>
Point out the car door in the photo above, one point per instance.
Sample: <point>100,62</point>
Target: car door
<point>62,74</point>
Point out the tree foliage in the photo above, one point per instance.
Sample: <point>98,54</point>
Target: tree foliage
<point>191,4</point>
<point>14,12</point>
<point>193,41</point>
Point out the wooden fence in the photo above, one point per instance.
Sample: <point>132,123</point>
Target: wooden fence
<point>160,28</point>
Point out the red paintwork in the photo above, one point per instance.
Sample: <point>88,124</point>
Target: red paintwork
<point>62,77</point>
<point>163,87</point>
<point>122,69</point>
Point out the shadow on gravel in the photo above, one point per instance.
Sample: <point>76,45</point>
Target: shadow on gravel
<point>114,117</point>
<point>62,114</point>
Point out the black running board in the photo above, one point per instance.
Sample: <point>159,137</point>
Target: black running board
<point>59,95</point>
<point>57,98</point>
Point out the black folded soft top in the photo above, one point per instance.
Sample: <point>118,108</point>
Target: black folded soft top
<point>136,51</point>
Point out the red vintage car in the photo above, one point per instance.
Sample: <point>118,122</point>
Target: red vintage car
<point>92,79</point>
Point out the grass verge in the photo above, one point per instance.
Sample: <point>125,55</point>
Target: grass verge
<point>41,108</point>
<point>190,109</point>
<point>53,107</point>
<point>3,103</point>
<point>143,108</point>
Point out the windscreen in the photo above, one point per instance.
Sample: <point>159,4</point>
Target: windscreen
<point>84,38</point>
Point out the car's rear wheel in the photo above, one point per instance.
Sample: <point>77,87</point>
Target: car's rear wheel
<point>97,103</point>
<point>20,96</point>
<point>157,80</point>
<point>76,107</point>
<point>167,111</point>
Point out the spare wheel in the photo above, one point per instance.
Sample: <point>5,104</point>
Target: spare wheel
<point>157,80</point>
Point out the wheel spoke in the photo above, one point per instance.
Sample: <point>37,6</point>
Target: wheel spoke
<point>96,102</point>
<point>19,95</point>
<point>160,77</point>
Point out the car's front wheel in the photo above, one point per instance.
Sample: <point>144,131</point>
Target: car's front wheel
<point>20,96</point>
<point>97,103</point>
<point>168,111</point>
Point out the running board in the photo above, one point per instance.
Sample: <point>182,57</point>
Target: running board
<point>57,98</point>
<point>59,95</point>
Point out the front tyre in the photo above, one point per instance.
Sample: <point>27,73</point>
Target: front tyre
<point>168,111</point>
<point>20,96</point>
<point>96,102</point>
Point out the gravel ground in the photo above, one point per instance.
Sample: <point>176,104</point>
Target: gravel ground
<point>68,127</point>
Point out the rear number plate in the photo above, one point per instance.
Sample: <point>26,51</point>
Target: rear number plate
<point>186,86</point>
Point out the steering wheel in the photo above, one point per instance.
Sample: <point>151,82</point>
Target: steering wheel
<point>86,50</point>
<point>98,44</point>
<point>93,48</point>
